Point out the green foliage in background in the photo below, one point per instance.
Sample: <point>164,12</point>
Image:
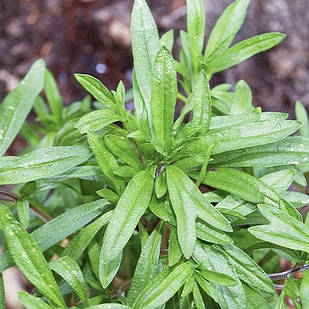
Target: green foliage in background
<point>117,209</point>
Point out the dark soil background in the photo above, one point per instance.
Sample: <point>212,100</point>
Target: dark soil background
<point>92,36</point>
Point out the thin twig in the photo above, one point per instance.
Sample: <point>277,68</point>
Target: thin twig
<point>287,273</point>
<point>14,198</point>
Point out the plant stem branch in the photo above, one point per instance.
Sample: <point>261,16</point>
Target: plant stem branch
<point>287,273</point>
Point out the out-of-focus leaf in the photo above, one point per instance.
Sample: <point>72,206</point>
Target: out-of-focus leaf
<point>304,290</point>
<point>167,40</point>
<point>41,163</point>
<point>53,96</point>
<point>16,105</point>
<point>31,302</point>
<point>29,258</point>
<point>302,116</point>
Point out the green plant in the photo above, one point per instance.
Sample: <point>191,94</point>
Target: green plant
<point>158,213</point>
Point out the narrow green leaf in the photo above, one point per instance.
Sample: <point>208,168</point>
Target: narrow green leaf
<point>198,299</point>
<point>184,207</point>
<point>97,120</point>
<point>123,148</point>
<point>145,45</point>
<point>45,235</point>
<point>283,229</point>
<point>188,287</point>
<point>131,206</point>
<point>70,271</point>
<point>23,211</point>
<point>17,104</point>
<point>304,289</point>
<point>163,98</point>
<point>41,163</point>
<point>174,249</point>
<point>53,96</point>
<point>302,116</point>
<point>147,266</point>
<point>163,287</point>
<point>31,302</point>
<point>291,150</point>
<point>242,136</point>
<point>201,100</point>
<point>242,98</point>
<point>213,259</point>
<point>80,242</point>
<point>167,40</point>
<point>208,233</point>
<point>218,122</point>
<point>96,88</point>
<point>217,277</point>
<point>2,293</point>
<point>141,111</point>
<point>243,50</point>
<point>105,159</point>
<point>108,270</point>
<point>236,182</point>
<point>29,258</point>
<point>161,185</point>
<point>226,28</point>
<point>247,269</point>
<point>196,29</point>
<point>207,287</point>
<point>94,257</point>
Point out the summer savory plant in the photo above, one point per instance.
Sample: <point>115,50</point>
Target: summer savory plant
<point>107,208</point>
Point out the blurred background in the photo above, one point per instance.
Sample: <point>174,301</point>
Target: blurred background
<point>92,36</point>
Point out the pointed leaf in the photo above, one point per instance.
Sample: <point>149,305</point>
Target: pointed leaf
<point>242,98</point>
<point>283,230</point>
<point>243,50</point>
<point>31,302</point>
<point>201,100</point>
<point>163,287</point>
<point>41,163</point>
<point>131,206</point>
<point>29,258</point>
<point>226,28</point>
<point>16,105</point>
<point>97,120</point>
<point>147,266</point>
<point>163,98</point>
<point>145,45</point>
